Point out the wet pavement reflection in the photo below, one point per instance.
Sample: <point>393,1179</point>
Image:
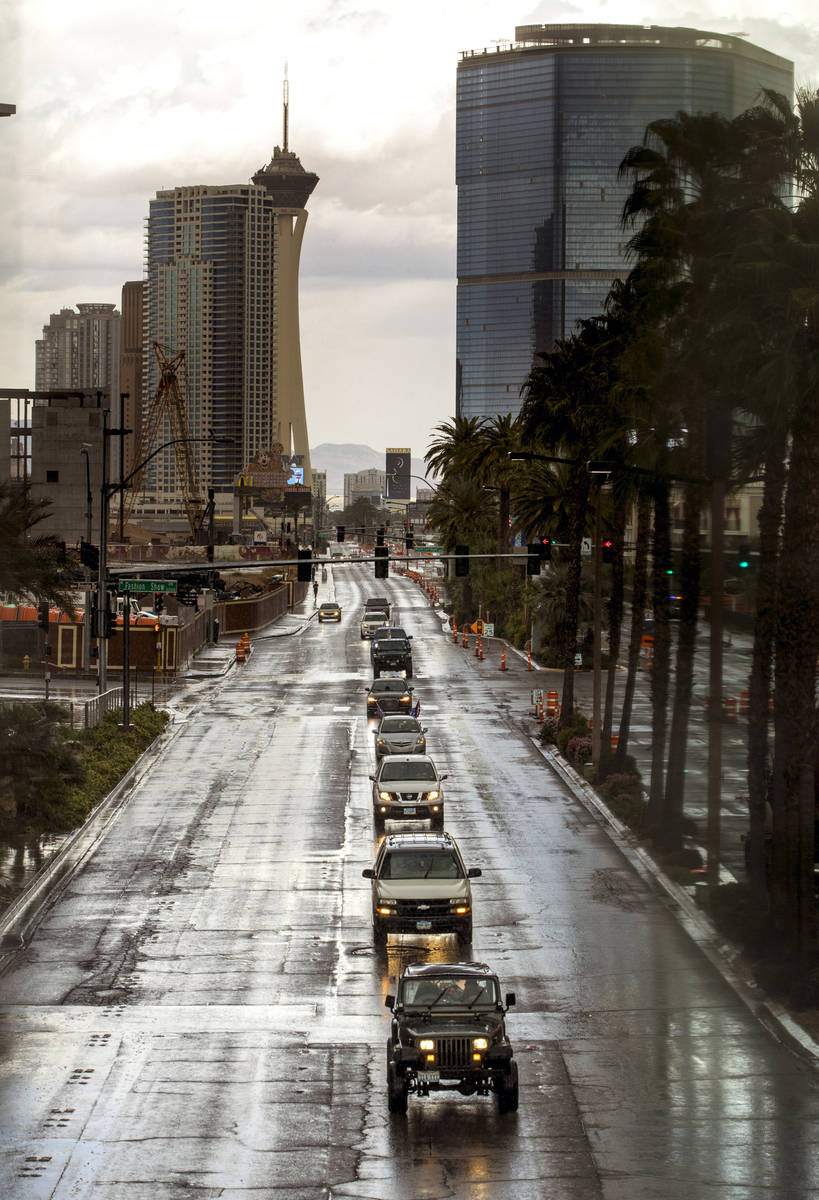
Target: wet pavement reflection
<point>202,1011</point>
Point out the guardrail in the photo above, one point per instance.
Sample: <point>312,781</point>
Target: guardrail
<point>90,712</point>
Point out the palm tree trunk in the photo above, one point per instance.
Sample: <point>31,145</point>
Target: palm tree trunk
<point>638,603</point>
<point>615,615</point>
<point>759,686</point>
<point>684,674</point>
<point>577,509</point>
<point>662,656</point>
<point>797,649</point>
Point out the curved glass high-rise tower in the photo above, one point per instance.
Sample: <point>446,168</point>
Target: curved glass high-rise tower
<point>542,126</point>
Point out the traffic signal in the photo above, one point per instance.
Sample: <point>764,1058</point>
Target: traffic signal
<point>304,570</point>
<point>379,536</point>
<point>533,558</point>
<point>110,621</point>
<point>461,560</point>
<point>607,550</point>
<point>89,556</point>
<point>744,558</point>
<point>545,549</point>
<point>410,539</point>
<point>382,565</point>
<point>339,533</point>
<point>42,614</point>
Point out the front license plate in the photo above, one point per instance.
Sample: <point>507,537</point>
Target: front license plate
<point>428,1076</point>
<point>423,924</point>
<point>410,811</point>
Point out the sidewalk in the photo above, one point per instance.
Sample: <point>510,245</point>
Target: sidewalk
<point>799,1030</point>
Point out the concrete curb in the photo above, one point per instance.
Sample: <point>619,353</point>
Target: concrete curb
<point>702,931</point>
<point>23,915</point>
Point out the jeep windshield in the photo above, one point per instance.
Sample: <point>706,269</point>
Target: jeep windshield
<point>449,991</point>
<point>423,771</point>
<point>420,864</point>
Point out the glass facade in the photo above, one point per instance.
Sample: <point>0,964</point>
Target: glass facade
<point>541,130</point>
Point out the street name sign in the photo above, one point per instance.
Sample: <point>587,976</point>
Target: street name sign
<point>147,585</point>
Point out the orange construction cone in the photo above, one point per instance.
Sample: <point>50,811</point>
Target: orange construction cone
<point>455,632</point>
<point>503,658</point>
<point>465,637</point>
<point>528,660</point>
<point>481,653</point>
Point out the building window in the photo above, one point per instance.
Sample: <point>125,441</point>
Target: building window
<point>52,476</point>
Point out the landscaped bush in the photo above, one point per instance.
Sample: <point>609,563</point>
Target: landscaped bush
<point>735,914</point>
<point>578,726</point>
<point>631,809</point>
<point>548,731</point>
<point>579,750</point>
<point>625,784</point>
<point>66,773</point>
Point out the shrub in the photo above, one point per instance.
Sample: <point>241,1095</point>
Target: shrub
<point>734,913</point>
<point>632,810</point>
<point>621,785</point>
<point>578,750</point>
<point>107,754</point>
<point>548,731</point>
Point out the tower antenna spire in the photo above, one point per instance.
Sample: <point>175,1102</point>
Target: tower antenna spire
<point>286,106</point>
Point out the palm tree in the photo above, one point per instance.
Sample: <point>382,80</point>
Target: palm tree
<point>497,439</point>
<point>31,566</point>
<point>457,446</point>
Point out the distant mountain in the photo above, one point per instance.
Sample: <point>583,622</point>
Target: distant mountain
<point>346,459</point>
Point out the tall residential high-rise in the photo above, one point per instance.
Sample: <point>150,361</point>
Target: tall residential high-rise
<point>131,354</point>
<point>542,127</point>
<point>79,350</point>
<point>221,281</point>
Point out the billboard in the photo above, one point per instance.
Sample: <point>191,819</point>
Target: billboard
<point>294,475</point>
<point>398,474</point>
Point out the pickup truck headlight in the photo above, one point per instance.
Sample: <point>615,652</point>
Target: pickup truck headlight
<point>426,1044</point>
<point>433,795</point>
<point>385,795</point>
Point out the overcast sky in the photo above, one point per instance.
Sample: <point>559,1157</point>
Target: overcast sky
<point>114,102</point>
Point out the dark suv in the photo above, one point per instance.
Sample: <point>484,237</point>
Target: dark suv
<point>420,885</point>
<point>390,652</point>
<point>448,1034</point>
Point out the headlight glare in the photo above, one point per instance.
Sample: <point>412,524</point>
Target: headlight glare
<point>480,1044</point>
<point>385,795</point>
<point>433,795</point>
<point>426,1044</point>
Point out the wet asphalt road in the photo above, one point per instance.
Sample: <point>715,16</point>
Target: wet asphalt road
<point>201,1014</point>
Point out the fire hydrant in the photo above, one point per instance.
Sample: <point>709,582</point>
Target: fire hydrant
<point>26,662</point>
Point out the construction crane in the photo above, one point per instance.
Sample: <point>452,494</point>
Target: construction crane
<point>170,402</point>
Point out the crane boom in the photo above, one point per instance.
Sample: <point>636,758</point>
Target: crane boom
<point>169,402</point>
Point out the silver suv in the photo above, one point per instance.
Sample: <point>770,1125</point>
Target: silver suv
<point>407,787</point>
<point>399,734</point>
<point>420,885</point>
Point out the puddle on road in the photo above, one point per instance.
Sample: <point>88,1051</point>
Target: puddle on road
<point>21,857</point>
